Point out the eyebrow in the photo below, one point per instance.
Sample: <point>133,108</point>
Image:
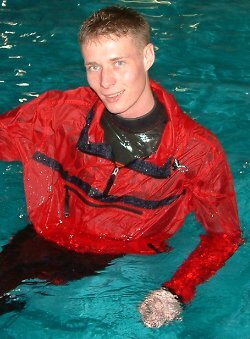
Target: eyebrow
<point>118,58</point>
<point>90,63</point>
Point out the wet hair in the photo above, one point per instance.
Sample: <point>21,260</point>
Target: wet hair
<point>115,21</point>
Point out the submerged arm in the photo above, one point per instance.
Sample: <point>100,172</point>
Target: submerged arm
<point>214,204</point>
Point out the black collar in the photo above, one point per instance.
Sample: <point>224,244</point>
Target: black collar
<point>105,151</point>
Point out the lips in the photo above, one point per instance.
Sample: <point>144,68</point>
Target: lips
<point>113,97</point>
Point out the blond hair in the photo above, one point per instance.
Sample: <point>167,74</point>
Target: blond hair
<point>115,21</point>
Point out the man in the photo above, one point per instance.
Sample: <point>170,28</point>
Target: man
<point>116,168</point>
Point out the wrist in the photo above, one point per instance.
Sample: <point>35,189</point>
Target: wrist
<point>177,297</point>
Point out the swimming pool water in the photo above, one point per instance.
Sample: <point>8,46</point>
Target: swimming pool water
<point>203,58</point>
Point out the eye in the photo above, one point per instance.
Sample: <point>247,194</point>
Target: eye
<point>93,68</point>
<point>119,63</point>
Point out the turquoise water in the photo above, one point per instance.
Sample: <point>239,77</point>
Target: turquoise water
<point>203,58</point>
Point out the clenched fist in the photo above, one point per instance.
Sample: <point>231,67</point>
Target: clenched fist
<point>160,307</point>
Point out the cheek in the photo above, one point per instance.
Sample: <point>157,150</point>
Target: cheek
<point>93,80</point>
<point>133,76</point>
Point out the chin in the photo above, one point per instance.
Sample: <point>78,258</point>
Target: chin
<point>115,110</point>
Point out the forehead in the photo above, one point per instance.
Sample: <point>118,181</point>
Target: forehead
<point>101,38</point>
<point>109,46</point>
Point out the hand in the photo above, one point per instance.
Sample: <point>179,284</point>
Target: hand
<point>160,307</point>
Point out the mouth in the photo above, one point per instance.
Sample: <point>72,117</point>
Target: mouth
<point>113,97</point>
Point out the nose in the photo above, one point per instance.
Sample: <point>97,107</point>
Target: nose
<point>107,78</point>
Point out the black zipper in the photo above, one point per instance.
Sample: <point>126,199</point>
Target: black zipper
<point>67,204</point>
<point>111,181</point>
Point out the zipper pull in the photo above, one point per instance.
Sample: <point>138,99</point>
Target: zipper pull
<point>66,202</point>
<point>115,171</point>
<point>111,181</point>
<point>179,167</point>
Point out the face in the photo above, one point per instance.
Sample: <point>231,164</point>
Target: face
<point>117,70</point>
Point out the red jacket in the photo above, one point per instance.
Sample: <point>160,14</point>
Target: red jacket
<point>78,197</point>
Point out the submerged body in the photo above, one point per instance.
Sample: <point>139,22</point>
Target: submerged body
<point>75,200</point>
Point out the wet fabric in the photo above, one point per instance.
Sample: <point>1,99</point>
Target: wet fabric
<point>79,199</point>
<point>134,138</point>
<point>30,256</point>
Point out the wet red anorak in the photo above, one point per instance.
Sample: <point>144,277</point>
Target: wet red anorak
<point>79,198</point>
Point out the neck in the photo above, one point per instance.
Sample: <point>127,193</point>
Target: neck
<point>147,107</point>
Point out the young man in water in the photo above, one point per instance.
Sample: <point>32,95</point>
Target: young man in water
<point>115,168</point>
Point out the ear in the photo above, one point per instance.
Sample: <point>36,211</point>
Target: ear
<point>149,56</point>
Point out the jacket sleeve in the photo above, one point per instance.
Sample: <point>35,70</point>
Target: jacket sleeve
<point>214,204</point>
<point>19,129</point>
